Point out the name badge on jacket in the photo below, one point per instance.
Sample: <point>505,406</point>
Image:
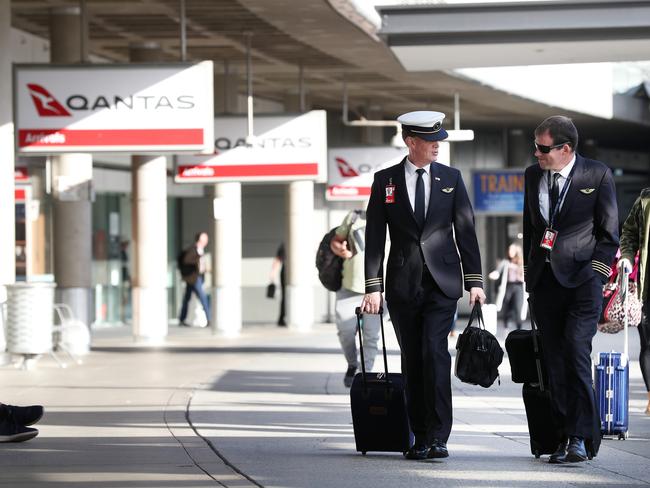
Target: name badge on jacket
<point>390,194</point>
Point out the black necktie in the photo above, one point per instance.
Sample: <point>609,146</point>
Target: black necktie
<point>555,192</point>
<point>419,199</point>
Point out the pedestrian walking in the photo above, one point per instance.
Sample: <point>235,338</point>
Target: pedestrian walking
<point>427,210</point>
<point>570,238</point>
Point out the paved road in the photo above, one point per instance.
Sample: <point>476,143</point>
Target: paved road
<point>268,409</point>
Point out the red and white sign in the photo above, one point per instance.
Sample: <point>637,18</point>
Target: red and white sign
<point>285,148</point>
<point>114,108</point>
<point>351,170</point>
<point>21,174</point>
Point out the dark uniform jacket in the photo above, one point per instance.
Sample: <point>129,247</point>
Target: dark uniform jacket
<point>449,211</point>
<point>587,226</point>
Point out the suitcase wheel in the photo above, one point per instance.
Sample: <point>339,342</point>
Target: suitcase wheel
<point>622,436</point>
<point>537,454</point>
<point>363,453</point>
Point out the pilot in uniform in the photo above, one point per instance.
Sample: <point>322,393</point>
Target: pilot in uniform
<point>427,210</point>
<point>570,238</point>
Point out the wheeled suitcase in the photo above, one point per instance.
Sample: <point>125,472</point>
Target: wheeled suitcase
<point>378,404</point>
<point>527,363</point>
<point>544,428</point>
<point>612,376</point>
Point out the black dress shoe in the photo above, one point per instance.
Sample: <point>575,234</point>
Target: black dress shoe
<point>576,452</point>
<point>417,452</point>
<point>558,457</point>
<point>438,450</point>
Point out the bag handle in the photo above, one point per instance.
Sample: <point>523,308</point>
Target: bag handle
<point>538,362</point>
<point>359,315</point>
<point>476,314</point>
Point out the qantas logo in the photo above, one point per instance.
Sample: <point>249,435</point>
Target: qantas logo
<point>345,169</point>
<point>46,104</point>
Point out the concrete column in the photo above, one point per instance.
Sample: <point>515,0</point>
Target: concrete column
<point>72,176</point>
<point>7,209</point>
<point>300,255</point>
<point>226,97</point>
<point>227,259</point>
<point>149,248</point>
<point>72,187</point>
<point>149,229</point>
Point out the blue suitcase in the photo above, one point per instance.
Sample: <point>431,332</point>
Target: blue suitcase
<point>612,378</point>
<point>613,392</point>
<point>378,405</point>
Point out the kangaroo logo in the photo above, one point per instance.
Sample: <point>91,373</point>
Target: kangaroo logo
<point>345,169</point>
<point>46,104</point>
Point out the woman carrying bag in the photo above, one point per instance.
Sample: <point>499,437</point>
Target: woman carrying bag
<point>634,237</point>
<point>512,299</point>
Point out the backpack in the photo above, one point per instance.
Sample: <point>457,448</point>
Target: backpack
<point>328,264</point>
<point>185,269</point>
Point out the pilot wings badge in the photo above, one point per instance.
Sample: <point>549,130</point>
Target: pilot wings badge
<point>587,191</point>
<point>449,189</point>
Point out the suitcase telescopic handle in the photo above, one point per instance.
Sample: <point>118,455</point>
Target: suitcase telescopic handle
<point>538,361</point>
<point>624,287</point>
<point>359,315</point>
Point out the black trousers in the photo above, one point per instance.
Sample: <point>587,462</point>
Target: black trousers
<point>512,302</point>
<point>422,327</point>
<point>567,319</point>
<point>644,338</point>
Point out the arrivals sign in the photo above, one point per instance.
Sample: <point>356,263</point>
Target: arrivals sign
<point>284,148</point>
<point>351,169</point>
<point>498,192</point>
<point>113,108</point>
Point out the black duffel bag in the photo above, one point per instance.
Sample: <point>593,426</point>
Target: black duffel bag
<point>478,353</point>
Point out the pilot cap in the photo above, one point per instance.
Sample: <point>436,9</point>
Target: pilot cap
<point>424,124</point>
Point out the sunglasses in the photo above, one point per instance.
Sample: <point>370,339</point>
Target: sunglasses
<point>547,149</point>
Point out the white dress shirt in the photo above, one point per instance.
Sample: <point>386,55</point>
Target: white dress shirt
<point>411,180</point>
<point>543,187</point>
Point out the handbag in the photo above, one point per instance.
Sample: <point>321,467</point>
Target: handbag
<point>270,290</point>
<point>612,318</point>
<point>478,353</point>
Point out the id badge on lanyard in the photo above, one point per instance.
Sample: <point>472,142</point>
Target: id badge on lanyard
<point>550,235</point>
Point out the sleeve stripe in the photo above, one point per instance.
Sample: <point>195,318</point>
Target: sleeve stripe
<point>600,266</point>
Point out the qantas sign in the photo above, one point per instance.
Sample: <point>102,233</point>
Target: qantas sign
<point>114,108</point>
<point>285,148</point>
<point>351,170</point>
<point>46,104</point>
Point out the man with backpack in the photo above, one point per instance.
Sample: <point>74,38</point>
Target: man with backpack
<point>348,243</point>
<point>192,266</point>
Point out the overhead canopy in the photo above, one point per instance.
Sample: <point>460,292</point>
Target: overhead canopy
<point>431,37</point>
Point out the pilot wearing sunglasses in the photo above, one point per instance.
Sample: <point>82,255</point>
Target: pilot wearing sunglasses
<point>570,238</point>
